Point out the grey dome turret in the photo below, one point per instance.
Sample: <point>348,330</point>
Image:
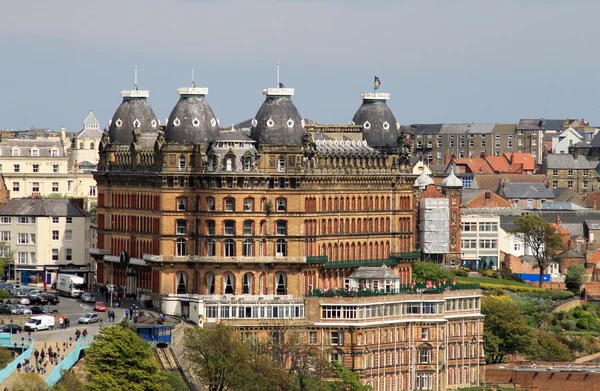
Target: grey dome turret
<point>452,180</point>
<point>423,181</point>
<point>192,120</point>
<point>134,112</point>
<point>278,121</point>
<point>379,124</point>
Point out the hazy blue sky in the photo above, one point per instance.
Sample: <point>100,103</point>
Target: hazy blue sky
<point>442,60</point>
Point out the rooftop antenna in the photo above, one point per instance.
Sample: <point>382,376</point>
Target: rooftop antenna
<point>135,86</point>
<point>193,82</point>
<point>278,83</point>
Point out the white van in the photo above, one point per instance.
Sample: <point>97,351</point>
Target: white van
<point>41,322</point>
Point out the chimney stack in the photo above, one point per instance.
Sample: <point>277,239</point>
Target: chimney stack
<point>558,220</point>
<point>483,154</point>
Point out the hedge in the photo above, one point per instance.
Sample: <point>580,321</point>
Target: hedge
<point>511,288</point>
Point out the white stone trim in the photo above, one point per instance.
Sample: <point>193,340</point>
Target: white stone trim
<point>176,122</point>
<point>367,125</point>
<point>192,91</point>
<point>136,123</point>
<point>196,122</point>
<point>270,123</point>
<point>386,125</point>
<point>213,122</point>
<point>118,122</point>
<point>254,122</point>
<point>135,93</point>
<point>375,95</point>
<point>278,91</point>
<point>290,123</point>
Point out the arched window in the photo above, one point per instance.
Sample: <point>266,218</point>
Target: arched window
<point>229,245</point>
<point>247,248</point>
<point>280,284</point>
<point>281,163</point>
<point>248,281</point>
<point>210,284</point>
<point>182,162</point>
<point>182,203</point>
<point>92,145</point>
<point>181,247</point>
<point>80,145</point>
<point>247,163</point>
<point>229,205</point>
<point>211,163</point>
<point>181,280</point>
<point>229,284</point>
<point>281,248</point>
<point>229,163</point>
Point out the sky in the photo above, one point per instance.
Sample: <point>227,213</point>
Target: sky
<point>442,61</point>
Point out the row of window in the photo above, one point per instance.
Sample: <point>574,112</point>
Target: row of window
<point>31,220</point>
<point>380,310</point>
<point>461,154</point>
<point>229,204</point>
<point>483,226</point>
<point>584,185</point>
<point>472,144</point>
<point>255,312</point>
<point>34,152</point>
<point>472,135</point>
<point>35,188</point>
<point>229,248</point>
<point>35,168</point>
<point>229,284</point>
<point>28,258</point>
<point>483,243</point>
<point>570,172</point>
<point>229,228</point>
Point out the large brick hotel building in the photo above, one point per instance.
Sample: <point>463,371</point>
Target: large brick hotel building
<point>281,222</point>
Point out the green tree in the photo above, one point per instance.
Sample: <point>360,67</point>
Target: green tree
<point>544,242</point>
<point>505,331</point>
<point>176,382</point>
<point>69,382</point>
<point>428,271</point>
<point>575,277</point>
<point>347,380</point>
<point>7,256</point>
<point>119,359</point>
<point>6,357</point>
<point>93,211</point>
<point>546,347</point>
<point>28,382</point>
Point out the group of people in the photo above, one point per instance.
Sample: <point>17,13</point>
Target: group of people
<point>41,360</point>
<point>108,294</point>
<point>111,316</point>
<point>79,334</point>
<point>63,322</point>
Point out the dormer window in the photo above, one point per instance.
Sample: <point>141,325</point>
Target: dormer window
<point>54,152</point>
<point>281,163</point>
<point>35,152</point>
<point>229,163</point>
<point>211,163</point>
<point>182,162</point>
<point>247,163</point>
<point>16,152</point>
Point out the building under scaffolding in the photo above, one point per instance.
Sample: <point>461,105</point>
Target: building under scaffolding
<point>435,228</point>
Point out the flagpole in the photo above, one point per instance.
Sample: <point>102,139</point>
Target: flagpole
<point>278,74</point>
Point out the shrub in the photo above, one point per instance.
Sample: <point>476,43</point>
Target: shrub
<point>582,323</point>
<point>460,273</point>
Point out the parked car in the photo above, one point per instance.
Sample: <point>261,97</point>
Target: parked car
<point>40,310</point>
<point>5,310</point>
<point>37,300</point>
<point>89,318</point>
<point>100,306</point>
<point>35,292</point>
<point>51,299</point>
<point>11,328</point>
<point>24,310</point>
<point>88,298</point>
<point>14,310</point>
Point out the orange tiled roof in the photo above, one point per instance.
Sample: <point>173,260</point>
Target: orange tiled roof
<point>498,163</point>
<point>560,229</point>
<point>593,196</point>
<point>475,165</point>
<point>525,159</point>
<point>481,201</point>
<point>595,258</point>
<point>592,288</point>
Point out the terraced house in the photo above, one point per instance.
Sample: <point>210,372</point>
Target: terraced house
<point>274,228</point>
<point>574,172</point>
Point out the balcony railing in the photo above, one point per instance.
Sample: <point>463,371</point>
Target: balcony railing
<point>417,289</point>
<point>99,251</point>
<point>360,262</point>
<point>264,259</point>
<point>407,255</point>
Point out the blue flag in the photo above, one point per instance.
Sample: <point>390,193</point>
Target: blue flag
<point>376,83</point>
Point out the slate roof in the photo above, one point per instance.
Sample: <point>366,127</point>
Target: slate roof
<point>570,253</point>
<point>425,128</point>
<point>491,181</point>
<point>504,128</point>
<point>454,129</point>
<point>480,128</point>
<point>25,145</point>
<point>534,124</point>
<point>595,141</point>
<point>38,207</point>
<point>568,162</point>
<point>567,195</point>
<point>232,135</point>
<point>527,190</point>
<point>561,205</point>
<point>469,194</point>
<point>196,121</point>
<point>89,133</point>
<point>370,272</point>
<point>380,127</point>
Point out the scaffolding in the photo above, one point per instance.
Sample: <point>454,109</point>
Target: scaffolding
<point>435,225</point>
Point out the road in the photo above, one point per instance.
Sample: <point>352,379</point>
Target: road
<point>73,309</point>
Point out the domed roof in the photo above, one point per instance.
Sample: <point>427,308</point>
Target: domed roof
<point>133,112</point>
<point>278,121</point>
<point>380,127</point>
<point>423,181</point>
<point>452,180</point>
<point>192,121</point>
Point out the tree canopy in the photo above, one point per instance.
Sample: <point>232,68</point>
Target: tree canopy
<point>428,271</point>
<point>544,241</point>
<point>505,331</point>
<point>119,359</point>
<point>28,381</point>
<point>575,277</point>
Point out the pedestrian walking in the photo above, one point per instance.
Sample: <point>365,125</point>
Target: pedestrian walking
<point>61,320</point>
<point>126,313</point>
<point>77,334</point>
<point>42,355</point>
<point>19,367</point>
<point>84,333</point>
<point>36,354</point>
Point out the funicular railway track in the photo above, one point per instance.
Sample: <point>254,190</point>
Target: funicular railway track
<point>166,359</point>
